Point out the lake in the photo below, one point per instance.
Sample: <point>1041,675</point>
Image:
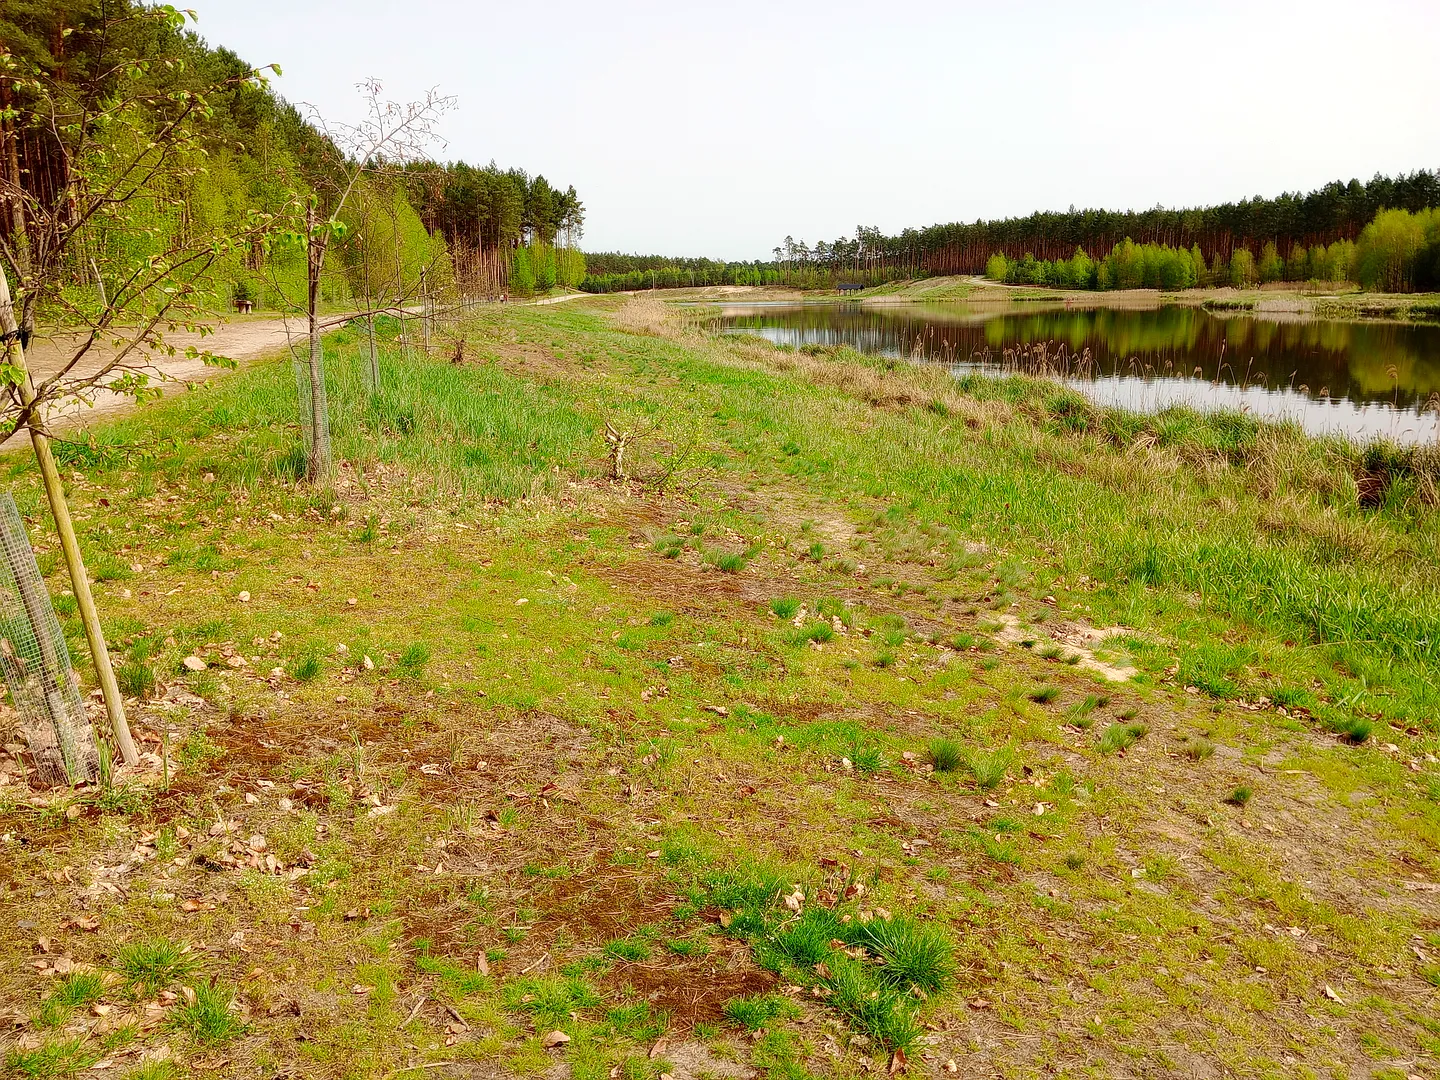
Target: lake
<point>1366,380</point>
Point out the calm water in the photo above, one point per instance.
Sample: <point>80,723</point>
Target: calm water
<point>1365,380</point>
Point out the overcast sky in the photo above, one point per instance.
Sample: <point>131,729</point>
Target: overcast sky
<point>718,129</point>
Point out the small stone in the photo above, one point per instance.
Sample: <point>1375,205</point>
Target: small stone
<point>369,664</point>
<point>351,602</point>
<point>244,596</point>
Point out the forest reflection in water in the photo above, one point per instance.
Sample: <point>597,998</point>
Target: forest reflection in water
<point>1362,379</point>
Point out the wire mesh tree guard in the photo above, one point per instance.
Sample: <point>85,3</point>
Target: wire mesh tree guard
<point>36,662</point>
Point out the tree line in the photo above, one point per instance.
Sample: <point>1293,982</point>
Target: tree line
<point>1397,251</point>
<point>610,272</point>
<point>1337,211</point>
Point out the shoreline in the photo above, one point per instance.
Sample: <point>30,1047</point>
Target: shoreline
<point>1318,305</point>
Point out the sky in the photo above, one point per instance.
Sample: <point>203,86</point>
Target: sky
<point>720,129</point>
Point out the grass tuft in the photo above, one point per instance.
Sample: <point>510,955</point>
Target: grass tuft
<point>946,755</point>
<point>412,661</point>
<point>911,954</point>
<point>989,768</point>
<point>1199,749</point>
<point>153,964</point>
<point>784,607</point>
<point>306,666</point>
<point>208,1018</point>
<point>136,679</point>
<point>1118,737</point>
<point>760,1010</point>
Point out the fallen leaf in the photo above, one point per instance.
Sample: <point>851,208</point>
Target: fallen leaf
<point>1332,995</point>
<point>554,1038</point>
<point>193,663</point>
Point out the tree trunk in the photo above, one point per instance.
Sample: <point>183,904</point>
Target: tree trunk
<point>55,492</point>
<point>400,295</point>
<point>318,464</point>
<point>370,310</point>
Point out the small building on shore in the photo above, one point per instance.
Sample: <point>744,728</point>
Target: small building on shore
<point>849,286</point>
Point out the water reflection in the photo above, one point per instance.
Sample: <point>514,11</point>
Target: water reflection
<point>1366,380</point>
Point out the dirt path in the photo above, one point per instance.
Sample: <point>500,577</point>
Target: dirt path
<point>241,339</point>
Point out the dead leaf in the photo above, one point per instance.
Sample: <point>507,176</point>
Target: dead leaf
<point>898,1062</point>
<point>554,1038</point>
<point>1332,995</point>
<point>482,964</point>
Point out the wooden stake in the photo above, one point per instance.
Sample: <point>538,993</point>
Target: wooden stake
<point>55,491</point>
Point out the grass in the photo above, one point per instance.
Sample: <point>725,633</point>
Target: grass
<point>1121,736</point>
<point>989,768</point>
<point>759,1011</point>
<point>412,661</point>
<point>153,964</point>
<point>1239,797</point>
<point>1080,714</point>
<point>208,1017</point>
<point>947,755</point>
<point>784,607</point>
<point>596,771</point>
<point>911,956</point>
<point>306,666</point>
<point>136,678</point>
<point>1199,749</point>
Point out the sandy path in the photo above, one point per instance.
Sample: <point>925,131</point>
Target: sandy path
<point>241,339</point>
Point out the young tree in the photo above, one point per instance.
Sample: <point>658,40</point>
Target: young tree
<point>1242,268</point>
<point>89,250</point>
<point>1271,267</point>
<point>392,134</point>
